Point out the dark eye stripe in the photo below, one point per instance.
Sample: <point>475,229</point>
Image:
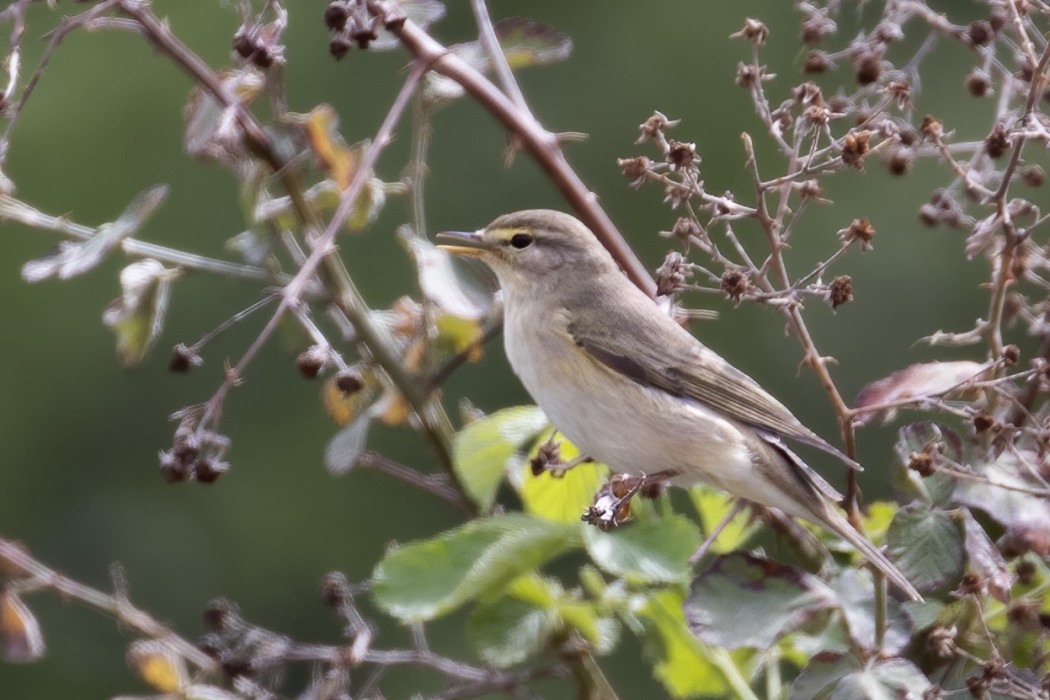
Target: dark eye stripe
<point>521,240</point>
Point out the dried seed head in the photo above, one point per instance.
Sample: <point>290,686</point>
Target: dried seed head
<point>349,381</point>
<point>1011,355</point>
<point>734,284</point>
<point>941,641</point>
<point>1026,571</point>
<point>654,126</point>
<point>339,46</point>
<point>816,116</point>
<point>547,456</point>
<point>978,82</point>
<point>206,470</point>
<point>888,32</point>
<point>746,75</point>
<point>817,26</point>
<point>900,91</point>
<point>221,614</point>
<point>840,104</point>
<point>335,16</point>
<point>868,67</point>
<point>686,230</point>
<point>681,155</point>
<point>899,160</point>
<point>1024,612</point>
<point>931,128</point>
<point>980,32</point>
<point>998,17</point>
<point>243,43</point>
<point>1033,175</point>
<point>841,291</point>
<point>183,359</point>
<point>263,56</point>
<point>364,35</point>
<point>810,190</point>
<point>816,62</point>
<point>983,422</point>
<point>172,468</point>
<point>335,590</point>
<point>634,168</point>
<point>754,31</point>
<point>942,208</point>
<point>921,463</point>
<point>808,94</point>
<point>907,135</point>
<point>855,147</point>
<point>997,142</point>
<point>971,584</point>
<point>671,274</point>
<point>859,230</point>
<point>311,361</point>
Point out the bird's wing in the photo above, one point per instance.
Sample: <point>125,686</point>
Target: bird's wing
<point>683,367</point>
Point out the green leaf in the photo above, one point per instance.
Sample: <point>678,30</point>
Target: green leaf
<point>427,579</point>
<point>137,317</point>
<point>912,439</point>
<point>713,505</point>
<point>559,497</point>
<point>743,601</point>
<point>985,558</point>
<point>507,631</point>
<point>481,450</point>
<point>927,546</point>
<point>601,631</point>
<point>842,677</point>
<point>650,551</point>
<point>855,590</point>
<point>1026,515</point>
<point>526,42</point>
<point>681,662</point>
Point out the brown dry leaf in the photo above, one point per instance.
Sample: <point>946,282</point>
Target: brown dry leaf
<point>917,381</point>
<point>158,665</point>
<point>322,131</point>
<point>21,640</point>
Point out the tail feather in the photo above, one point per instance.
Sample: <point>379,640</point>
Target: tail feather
<point>837,523</point>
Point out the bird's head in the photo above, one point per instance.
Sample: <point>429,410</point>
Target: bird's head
<point>535,246</point>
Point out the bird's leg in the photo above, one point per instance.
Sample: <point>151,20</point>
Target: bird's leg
<point>722,524</point>
<point>612,503</point>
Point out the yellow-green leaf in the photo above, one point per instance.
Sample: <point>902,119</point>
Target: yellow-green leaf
<point>563,497</point>
<point>712,506</point>
<point>482,450</point>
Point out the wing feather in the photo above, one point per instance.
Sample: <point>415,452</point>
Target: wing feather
<point>683,367</point>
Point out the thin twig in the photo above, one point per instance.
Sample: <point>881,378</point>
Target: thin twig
<point>39,576</point>
<point>540,143</point>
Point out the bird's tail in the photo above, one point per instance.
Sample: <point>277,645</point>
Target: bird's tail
<point>838,524</point>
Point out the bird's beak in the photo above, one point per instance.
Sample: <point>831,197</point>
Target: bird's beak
<point>475,243</point>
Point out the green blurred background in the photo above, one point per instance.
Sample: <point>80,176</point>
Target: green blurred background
<point>79,436</point>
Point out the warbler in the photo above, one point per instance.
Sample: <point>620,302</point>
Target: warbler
<point>632,388</point>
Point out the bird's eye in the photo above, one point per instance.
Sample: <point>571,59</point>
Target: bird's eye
<point>521,240</point>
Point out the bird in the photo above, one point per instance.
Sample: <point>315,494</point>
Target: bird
<point>632,388</point>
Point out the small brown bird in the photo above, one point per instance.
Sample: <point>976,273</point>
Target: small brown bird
<point>633,389</point>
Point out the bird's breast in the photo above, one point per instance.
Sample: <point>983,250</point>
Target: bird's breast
<point>628,426</point>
